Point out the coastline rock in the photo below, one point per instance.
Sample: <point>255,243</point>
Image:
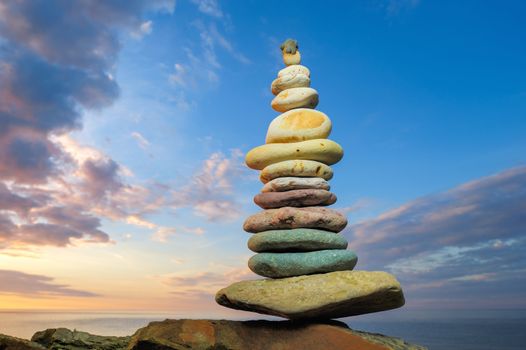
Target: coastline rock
<point>279,265</point>
<point>259,335</point>
<point>282,184</point>
<point>299,124</point>
<point>321,296</point>
<point>294,69</point>
<point>300,97</point>
<point>295,240</point>
<point>65,339</point>
<point>289,81</point>
<point>289,218</point>
<point>320,150</point>
<point>294,198</point>
<point>296,168</point>
<point>12,343</point>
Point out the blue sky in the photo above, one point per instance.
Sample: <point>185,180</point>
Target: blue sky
<point>123,127</point>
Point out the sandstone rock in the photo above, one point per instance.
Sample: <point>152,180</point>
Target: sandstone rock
<point>279,265</point>
<point>294,198</point>
<point>299,124</point>
<point>322,296</point>
<point>289,218</point>
<point>281,184</point>
<point>12,343</point>
<point>259,335</point>
<point>299,239</point>
<point>294,69</point>
<point>300,97</point>
<point>296,168</point>
<point>289,81</point>
<point>291,58</point>
<point>65,339</point>
<point>320,150</point>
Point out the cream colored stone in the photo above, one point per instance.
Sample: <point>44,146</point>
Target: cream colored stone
<point>328,295</point>
<point>299,124</point>
<point>321,150</point>
<point>292,58</point>
<point>297,168</point>
<point>294,69</point>
<point>282,184</point>
<point>301,97</point>
<point>289,81</point>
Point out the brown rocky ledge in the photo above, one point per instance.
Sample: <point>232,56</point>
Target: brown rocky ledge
<point>216,335</point>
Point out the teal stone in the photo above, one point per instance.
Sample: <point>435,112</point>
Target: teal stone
<point>296,240</point>
<point>277,265</point>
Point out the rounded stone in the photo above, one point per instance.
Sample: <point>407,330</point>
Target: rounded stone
<point>289,81</point>
<point>294,198</point>
<point>321,296</point>
<point>296,168</point>
<point>320,150</point>
<point>281,184</point>
<point>299,125</point>
<point>279,265</point>
<point>289,218</point>
<point>292,58</point>
<point>294,69</point>
<point>300,97</point>
<point>296,240</point>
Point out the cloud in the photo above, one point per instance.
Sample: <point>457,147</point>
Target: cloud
<point>468,240</point>
<point>20,283</point>
<point>141,140</point>
<point>209,7</point>
<point>144,29</point>
<point>163,234</point>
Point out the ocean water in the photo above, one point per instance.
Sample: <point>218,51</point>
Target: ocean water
<point>437,333</point>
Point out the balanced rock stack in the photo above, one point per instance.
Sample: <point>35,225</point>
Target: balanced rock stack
<point>296,237</point>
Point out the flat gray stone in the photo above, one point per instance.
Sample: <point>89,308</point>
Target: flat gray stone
<point>278,265</point>
<point>296,240</point>
<point>281,184</point>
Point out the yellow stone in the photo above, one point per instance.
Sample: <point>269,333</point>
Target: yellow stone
<point>296,168</point>
<point>328,295</point>
<point>300,97</point>
<point>299,124</point>
<point>321,150</point>
<point>292,58</point>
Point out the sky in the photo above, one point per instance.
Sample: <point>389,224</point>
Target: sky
<point>124,124</point>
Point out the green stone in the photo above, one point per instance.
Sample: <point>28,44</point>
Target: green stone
<point>277,265</point>
<point>296,240</point>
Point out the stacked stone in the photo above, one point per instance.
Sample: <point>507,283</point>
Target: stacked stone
<point>296,237</point>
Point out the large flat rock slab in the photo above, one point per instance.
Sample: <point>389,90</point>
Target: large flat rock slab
<point>11,343</point>
<point>259,335</point>
<point>321,296</point>
<point>65,339</point>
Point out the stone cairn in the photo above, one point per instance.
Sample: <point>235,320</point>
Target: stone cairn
<point>296,238</point>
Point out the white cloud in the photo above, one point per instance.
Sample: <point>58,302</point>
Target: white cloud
<point>209,7</point>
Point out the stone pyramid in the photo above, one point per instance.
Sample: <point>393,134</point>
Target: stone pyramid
<point>296,237</point>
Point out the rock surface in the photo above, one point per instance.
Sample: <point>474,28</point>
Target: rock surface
<point>301,97</point>
<point>281,184</point>
<point>323,296</point>
<point>299,239</point>
<point>289,217</point>
<point>294,69</point>
<point>289,81</point>
<point>11,343</point>
<point>259,335</point>
<point>320,150</point>
<point>296,168</point>
<point>65,339</point>
<point>299,125</point>
<point>279,265</point>
<point>294,198</point>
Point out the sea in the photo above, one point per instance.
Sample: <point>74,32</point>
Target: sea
<point>484,330</point>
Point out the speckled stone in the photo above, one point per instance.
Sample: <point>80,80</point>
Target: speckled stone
<point>294,198</point>
<point>281,184</point>
<point>279,265</point>
<point>296,240</point>
<point>289,217</point>
<point>296,168</point>
<point>321,296</point>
